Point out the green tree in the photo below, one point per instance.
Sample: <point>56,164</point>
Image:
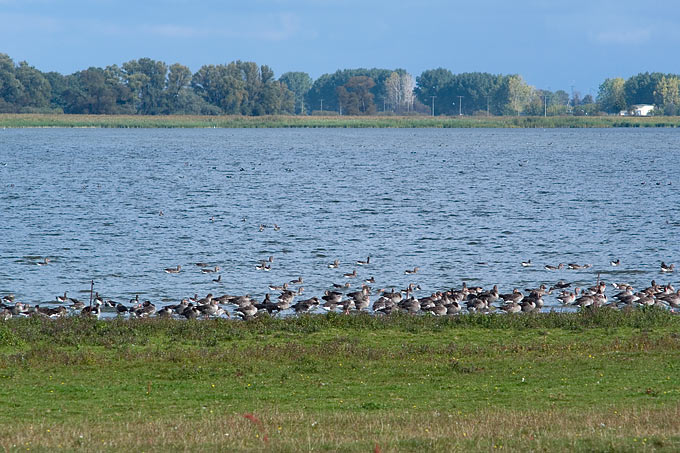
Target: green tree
<point>431,83</point>
<point>146,78</point>
<point>97,91</point>
<point>667,94</point>
<point>640,88</point>
<point>355,96</point>
<point>179,78</point>
<point>611,96</point>
<point>10,87</point>
<point>519,94</point>
<point>299,83</point>
<point>35,89</point>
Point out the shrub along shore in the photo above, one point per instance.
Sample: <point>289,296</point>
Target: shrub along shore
<point>593,380</point>
<point>282,121</point>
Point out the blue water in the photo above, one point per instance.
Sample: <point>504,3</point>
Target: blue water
<point>462,205</point>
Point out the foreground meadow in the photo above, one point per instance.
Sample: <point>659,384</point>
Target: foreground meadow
<point>593,381</point>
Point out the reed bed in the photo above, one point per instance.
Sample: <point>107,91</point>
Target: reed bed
<point>283,121</point>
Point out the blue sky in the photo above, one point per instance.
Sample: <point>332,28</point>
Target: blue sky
<point>551,44</point>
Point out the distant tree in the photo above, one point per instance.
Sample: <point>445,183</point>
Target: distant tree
<point>355,96</point>
<point>242,88</point>
<point>611,96</point>
<point>587,99</point>
<point>471,92</point>
<point>146,78</point>
<point>10,86</point>
<point>667,94</point>
<point>640,88</point>
<point>58,85</point>
<point>519,94</point>
<point>97,91</point>
<point>559,97</point>
<point>35,89</point>
<point>399,92</point>
<point>430,83</point>
<point>299,83</point>
<point>326,87</point>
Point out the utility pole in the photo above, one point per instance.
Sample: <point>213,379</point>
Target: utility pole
<point>460,105</point>
<point>322,105</point>
<point>433,104</point>
<point>487,105</point>
<point>545,104</point>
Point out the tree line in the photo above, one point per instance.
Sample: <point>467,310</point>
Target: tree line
<point>151,87</point>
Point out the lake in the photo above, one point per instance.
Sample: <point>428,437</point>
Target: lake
<point>462,205</point>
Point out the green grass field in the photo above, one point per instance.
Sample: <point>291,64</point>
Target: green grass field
<point>592,381</point>
<point>186,121</point>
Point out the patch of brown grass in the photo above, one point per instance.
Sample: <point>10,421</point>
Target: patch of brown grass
<point>612,428</point>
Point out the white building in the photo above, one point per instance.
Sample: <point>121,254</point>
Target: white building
<point>638,110</point>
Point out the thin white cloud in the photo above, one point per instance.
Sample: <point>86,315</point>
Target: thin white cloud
<point>624,36</point>
<point>269,27</point>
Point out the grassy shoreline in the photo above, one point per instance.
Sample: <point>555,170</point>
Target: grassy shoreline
<point>600,380</point>
<point>233,121</point>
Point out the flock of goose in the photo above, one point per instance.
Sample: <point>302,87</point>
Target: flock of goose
<point>341,298</point>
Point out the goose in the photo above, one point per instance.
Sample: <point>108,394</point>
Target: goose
<point>554,268</point>
<point>63,298</point>
<point>94,310</point>
<point>190,312</point>
<point>210,271</point>
<point>285,300</point>
<point>305,305</point>
<point>276,227</point>
<point>165,312</point>
<point>76,304</point>
<point>44,262</point>
<point>173,270</point>
<point>283,287</point>
<point>334,264</point>
<point>454,308</point>
<point>412,271</point>
<point>515,296</point>
<point>147,309</point>
<point>370,280</point>
<point>268,305</point>
<point>331,298</point>
<point>615,263</point>
<point>526,263</point>
<point>343,285</point>
<point>667,268</point>
<point>210,309</point>
<point>574,266</point>
<point>180,307</point>
<point>201,264</point>
<point>218,279</point>
<point>512,307</point>
<point>438,310</point>
<point>363,263</point>
<point>351,274</point>
<point>298,281</point>
<point>206,300</point>
<point>672,299</point>
<point>567,298</point>
<point>247,311</point>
